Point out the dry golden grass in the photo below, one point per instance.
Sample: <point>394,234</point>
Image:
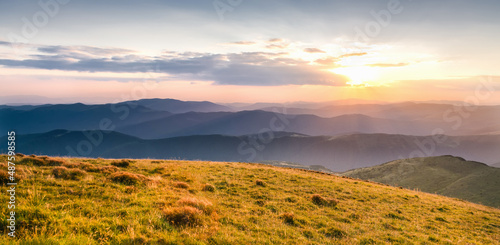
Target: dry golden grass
<point>183,216</point>
<point>208,187</point>
<point>98,210</point>
<point>182,185</point>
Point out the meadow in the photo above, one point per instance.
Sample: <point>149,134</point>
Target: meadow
<point>133,201</point>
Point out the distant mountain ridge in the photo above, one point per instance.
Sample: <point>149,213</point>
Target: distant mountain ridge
<point>338,153</point>
<point>161,118</point>
<point>445,175</point>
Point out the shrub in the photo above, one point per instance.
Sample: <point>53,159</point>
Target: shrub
<point>203,205</point>
<point>321,201</point>
<point>20,155</point>
<point>122,163</point>
<point>288,218</point>
<point>125,178</point>
<point>182,185</point>
<point>183,216</point>
<point>260,182</point>
<point>208,187</point>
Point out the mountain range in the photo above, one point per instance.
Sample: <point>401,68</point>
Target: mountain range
<point>338,153</point>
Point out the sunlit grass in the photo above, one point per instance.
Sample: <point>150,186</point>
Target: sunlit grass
<point>230,203</point>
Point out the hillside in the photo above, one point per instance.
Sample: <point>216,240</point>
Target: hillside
<point>92,201</point>
<point>444,175</point>
<point>339,153</point>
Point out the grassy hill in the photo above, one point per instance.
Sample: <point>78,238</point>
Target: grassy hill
<point>97,201</point>
<point>445,175</point>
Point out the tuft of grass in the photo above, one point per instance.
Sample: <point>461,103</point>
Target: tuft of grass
<point>208,187</point>
<point>288,218</point>
<point>108,169</point>
<point>32,160</point>
<point>182,185</point>
<point>121,163</point>
<point>125,178</point>
<point>334,232</point>
<point>205,206</point>
<point>260,182</point>
<point>68,174</point>
<point>4,177</point>
<point>322,201</point>
<point>130,189</point>
<point>183,216</point>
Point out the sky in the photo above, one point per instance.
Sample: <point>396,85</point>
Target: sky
<point>249,50</point>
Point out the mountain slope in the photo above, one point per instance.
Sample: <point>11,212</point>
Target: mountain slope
<point>89,201</point>
<point>445,175</point>
<point>254,122</point>
<point>74,117</point>
<point>339,153</point>
<point>178,106</point>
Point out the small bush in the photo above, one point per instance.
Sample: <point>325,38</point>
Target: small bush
<point>122,163</point>
<point>68,174</point>
<point>288,218</point>
<point>182,185</point>
<point>260,182</point>
<point>125,178</point>
<point>208,187</point>
<point>203,205</point>
<point>20,155</point>
<point>183,216</point>
<point>321,201</point>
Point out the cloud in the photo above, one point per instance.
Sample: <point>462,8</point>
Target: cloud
<point>313,50</point>
<point>248,68</point>
<point>388,65</point>
<point>5,43</point>
<point>278,46</point>
<point>328,61</point>
<point>243,43</point>
<point>275,40</point>
<point>353,54</point>
<point>83,49</point>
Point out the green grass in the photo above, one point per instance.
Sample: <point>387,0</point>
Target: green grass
<point>146,206</point>
<point>445,175</point>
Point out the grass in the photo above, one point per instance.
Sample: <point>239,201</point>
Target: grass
<point>144,206</point>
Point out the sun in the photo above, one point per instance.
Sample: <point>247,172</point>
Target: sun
<point>358,75</point>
